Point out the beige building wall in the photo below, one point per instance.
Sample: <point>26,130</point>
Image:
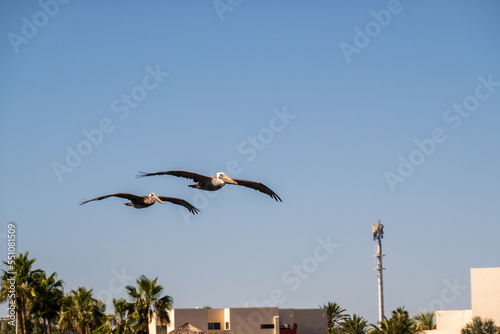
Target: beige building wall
<point>252,320</point>
<point>309,321</point>
<point>452,321</point>
<point>287,316</point>
<point>485,293</point>
<point>485,303</point>
<point>217,316</point>
<point>195,316</point>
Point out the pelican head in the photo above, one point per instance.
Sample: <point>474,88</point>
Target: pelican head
<point>225,178</point>
<point>154,197</point>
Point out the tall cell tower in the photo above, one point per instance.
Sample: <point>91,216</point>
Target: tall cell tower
<point>378,235</point>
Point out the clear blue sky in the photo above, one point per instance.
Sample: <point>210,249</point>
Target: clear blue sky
<point>350,112</point>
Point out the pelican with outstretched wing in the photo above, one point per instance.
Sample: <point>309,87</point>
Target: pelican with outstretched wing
<point>140,202</point>
<point>212,183</point>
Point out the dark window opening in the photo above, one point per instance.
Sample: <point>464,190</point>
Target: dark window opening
<point>213,326</point>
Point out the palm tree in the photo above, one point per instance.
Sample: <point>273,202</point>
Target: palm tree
<point>399,323</point>
<point>479,326</point>
<point>47,295</point>
<point>81,311</point>
<point>335,315</point>
<point>122,321</point>
<point>425,320</point>
<point>147,301</point>
<point>355,325</point>
<point>124,315</point>
<point>20,270</point>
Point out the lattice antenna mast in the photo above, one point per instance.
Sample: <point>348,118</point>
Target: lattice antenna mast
<point>378,235</point>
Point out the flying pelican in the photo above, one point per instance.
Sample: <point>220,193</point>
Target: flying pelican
<point>140,202</point>
<point>212,183</point>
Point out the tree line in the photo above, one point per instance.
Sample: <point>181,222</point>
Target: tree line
<point>400,322</point>
<point>37,304</point>
<point>40,305</point>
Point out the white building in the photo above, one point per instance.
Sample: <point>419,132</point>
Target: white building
<point>485,303</point>
<point>251,320</point>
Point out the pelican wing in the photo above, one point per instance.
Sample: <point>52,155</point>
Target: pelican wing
<point>180,173</point>
<point>121,195</point>
<point>182,202</point>
<point>259,187</point>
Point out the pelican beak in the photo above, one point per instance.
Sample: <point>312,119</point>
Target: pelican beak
<point>157,199</point>
<point>227,179</point>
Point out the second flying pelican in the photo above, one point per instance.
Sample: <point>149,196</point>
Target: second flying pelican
<point>140,202</point>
